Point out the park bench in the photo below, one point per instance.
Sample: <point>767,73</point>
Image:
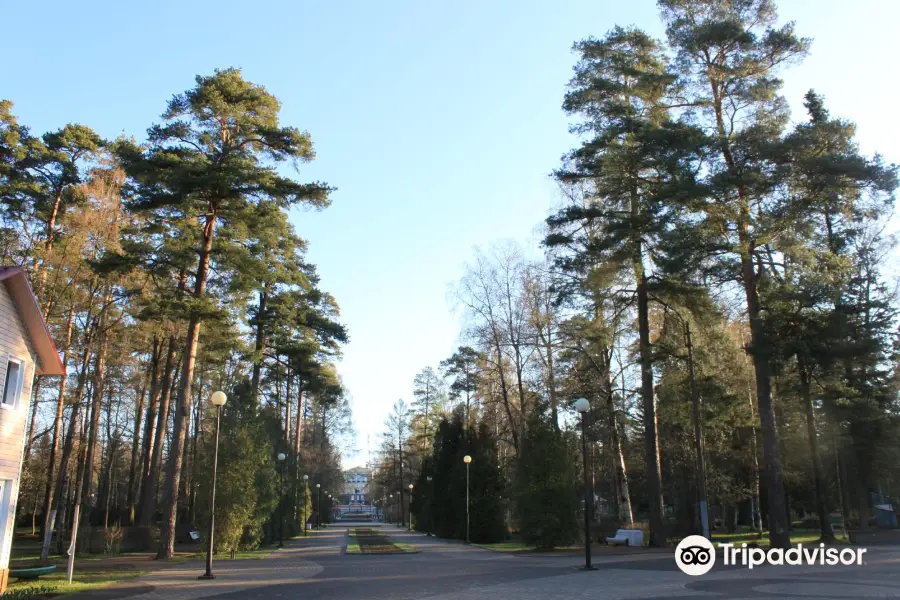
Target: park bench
<point>32,572</point>
<point>627,537</point>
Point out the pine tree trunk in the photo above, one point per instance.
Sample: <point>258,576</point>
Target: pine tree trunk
<point>106,458</point>
<point>151,481</point>
<point>62,481</point>
<point>863,499</point>
<point>620,472</point>
<point>57,427</point>
<point>48,248</point>
<point>779,525</point>
<point>170,497</point>
<point>183,495</point>
<point>29,436</point>
<point>96,408</point>
<point>651,425</point>
<point>299,423</point>
<point>150,422</point>
<point>134,467</point>
<point>198,419</point>
<point>259,342</point>
<point>287,409</point>
<point>818,471</point>
<point>844,484</point>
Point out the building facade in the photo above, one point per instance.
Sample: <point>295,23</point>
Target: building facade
<point>26,351</point>
<point>356,486</point>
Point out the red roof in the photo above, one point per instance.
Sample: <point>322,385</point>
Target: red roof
<point>26,303</point>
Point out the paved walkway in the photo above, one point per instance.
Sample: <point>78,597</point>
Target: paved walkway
<point>288,565</point>
<point>316,569</point>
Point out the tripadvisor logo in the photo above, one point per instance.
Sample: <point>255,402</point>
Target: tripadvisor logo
<point>797,555</point>
<point>695,555</point>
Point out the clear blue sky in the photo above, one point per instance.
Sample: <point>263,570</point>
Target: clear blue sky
<point>437,122</point>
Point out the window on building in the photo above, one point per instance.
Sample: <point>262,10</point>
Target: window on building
<point>12,387</point>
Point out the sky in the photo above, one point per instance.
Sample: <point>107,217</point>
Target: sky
<point>437,122</point>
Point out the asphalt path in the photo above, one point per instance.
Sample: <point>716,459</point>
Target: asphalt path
<point>317,568</point>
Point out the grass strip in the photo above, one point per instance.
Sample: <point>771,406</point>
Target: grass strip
<point>55,585</point>
<point>370,541</point>
<point>808,537</point>
<point>353,549</point>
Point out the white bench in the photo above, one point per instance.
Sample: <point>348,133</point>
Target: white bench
<point>628,537</point>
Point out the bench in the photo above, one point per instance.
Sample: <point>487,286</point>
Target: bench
<point>32,572</point>
<point>627,537</point>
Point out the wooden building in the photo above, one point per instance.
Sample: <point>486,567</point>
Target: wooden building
<point>26,351</point>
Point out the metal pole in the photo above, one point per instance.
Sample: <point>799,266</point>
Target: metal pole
<point>70,567</point>
<point>430,505</point>
<point>305,494</point>
<point>467,503</point>
<point>281,509</point>
<point>319,506</point>
<point>212,502</point>
<point>588,493</point>
<point>698,435</point>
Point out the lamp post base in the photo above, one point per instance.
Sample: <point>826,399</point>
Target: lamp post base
<point>207,576</point>
<point>587,568</point>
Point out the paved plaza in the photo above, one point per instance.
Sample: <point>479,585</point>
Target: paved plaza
<point>316,568</point>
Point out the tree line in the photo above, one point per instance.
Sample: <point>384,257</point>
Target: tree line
<point>167,268</point>
<point>712,283</point>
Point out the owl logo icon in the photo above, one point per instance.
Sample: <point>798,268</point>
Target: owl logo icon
<point>695,555</point>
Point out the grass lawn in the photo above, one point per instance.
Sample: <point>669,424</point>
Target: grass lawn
<point>55,585</point>
<point>798,536</point>
<point>519,546</point>
<point>511,546</point>
<point>94,571</point>
<point>365,540</point>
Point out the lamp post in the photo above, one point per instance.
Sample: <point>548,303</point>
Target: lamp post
<point>468,460</point>
<point>391,498</point>
<point>430,508</point>
<point>218,400</point>
<point>281,457</point>
<point>305,494</point>
<point>583,407</point>
<point>410,506</point>
<point>318,505</point>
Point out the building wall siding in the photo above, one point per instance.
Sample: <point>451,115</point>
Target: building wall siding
<point>13,341</point>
